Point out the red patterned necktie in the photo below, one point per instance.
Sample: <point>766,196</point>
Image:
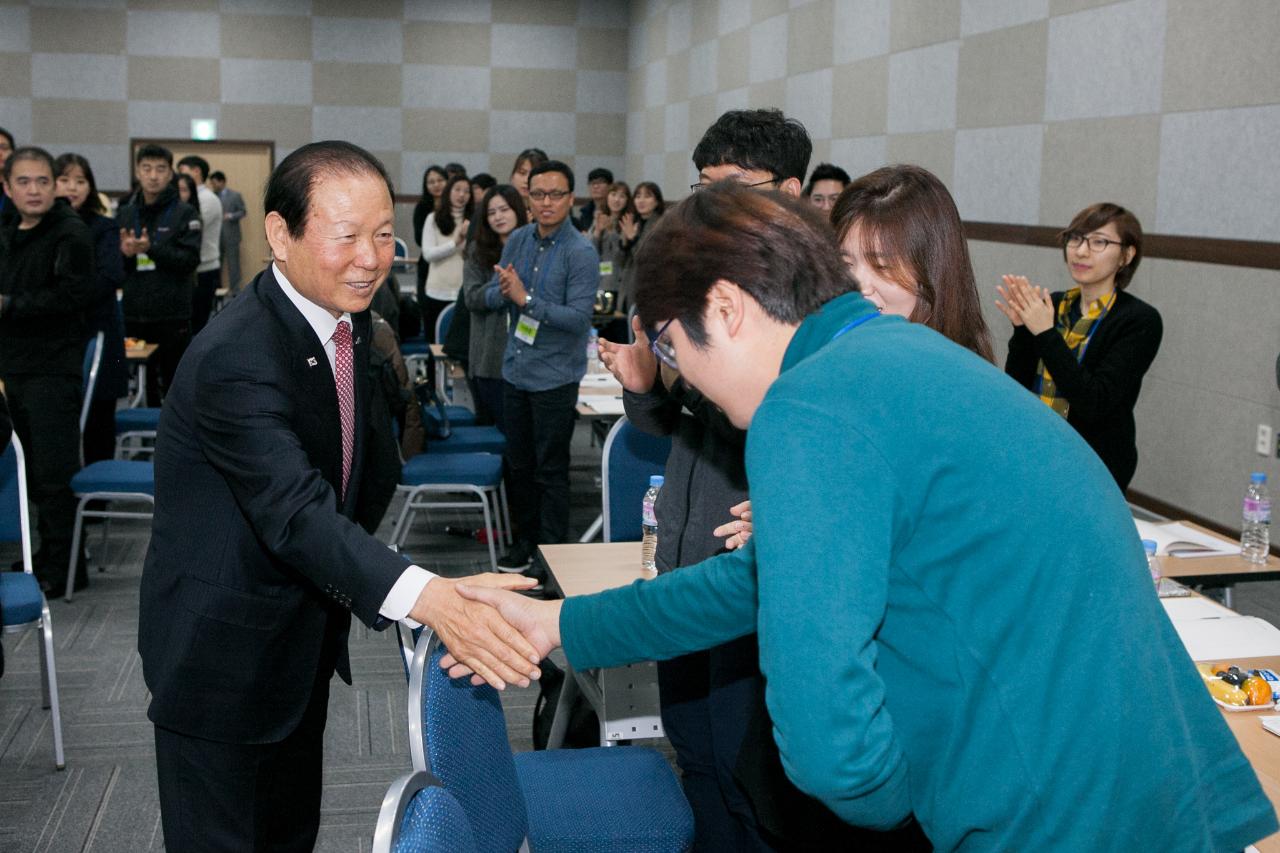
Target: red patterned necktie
<point>343,375</point>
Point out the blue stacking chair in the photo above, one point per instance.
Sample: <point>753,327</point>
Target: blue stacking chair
<point>110,480</point>
<point>466,481</point>
<point>22,603</point>
<point>401,262</point>
<point>136,431</point>
<point>443,319</point>
<point>445,435</point>
<point>629,458</point>
<point>607,799</point>
<point>419,816</point>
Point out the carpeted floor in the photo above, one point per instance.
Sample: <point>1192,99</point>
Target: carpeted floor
<point>106,802</point>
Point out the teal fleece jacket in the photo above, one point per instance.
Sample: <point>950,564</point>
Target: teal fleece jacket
<point>955,614</point>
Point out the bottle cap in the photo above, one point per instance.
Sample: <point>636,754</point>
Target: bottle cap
<point>1258,477</point>
<point>1150,546</point>
<point>655,481</point>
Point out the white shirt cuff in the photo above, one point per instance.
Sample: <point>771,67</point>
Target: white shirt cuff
<point>404,594</point>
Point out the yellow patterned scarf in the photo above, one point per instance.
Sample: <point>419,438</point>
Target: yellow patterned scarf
<point>1077,336</point>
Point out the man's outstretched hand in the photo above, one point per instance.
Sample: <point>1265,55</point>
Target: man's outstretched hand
<point>475,633</point>
<point>537,621</point>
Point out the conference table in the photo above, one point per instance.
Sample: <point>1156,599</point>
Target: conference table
<point>626,697</point>
<point>137,356</point>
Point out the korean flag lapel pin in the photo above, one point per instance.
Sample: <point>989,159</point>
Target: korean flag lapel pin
<point>311,361</point>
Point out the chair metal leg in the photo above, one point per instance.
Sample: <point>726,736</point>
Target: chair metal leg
<point>506,512</point>
<point>51,686</point>
<point>397,532</point>
<point>77,530</point>
<point>488,522</point>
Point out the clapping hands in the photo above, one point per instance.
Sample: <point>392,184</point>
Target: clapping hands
<point>1025,304</point>
<point>132,245</point>
<point>634,364</point>
<point>629,227</point>
<point>510,285</point>
<point>738,531</point>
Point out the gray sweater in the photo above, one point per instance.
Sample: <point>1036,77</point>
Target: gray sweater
<point>488,326</point>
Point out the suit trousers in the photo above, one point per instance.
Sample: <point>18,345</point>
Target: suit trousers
<point>539,430</point>
<point>230,252</point>
<point>207,284</point>
<point>244,797</point>
<point>46,417</point>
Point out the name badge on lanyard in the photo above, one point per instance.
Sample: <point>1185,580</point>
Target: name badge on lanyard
<point>145,264</point>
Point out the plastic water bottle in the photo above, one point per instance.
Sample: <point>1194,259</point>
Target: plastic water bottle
<point>649,526</point>
<point>1255,532</point>
<point>1153,562</point>
<point>593,350</point>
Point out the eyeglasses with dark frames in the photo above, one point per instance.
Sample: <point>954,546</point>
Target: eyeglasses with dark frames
<point>702,186</point>
<point>662,347</point>
<point>1096,243</point>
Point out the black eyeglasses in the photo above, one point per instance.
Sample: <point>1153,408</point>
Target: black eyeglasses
<point>663,349</point>
<point>701,186</point>
<point>554,195</point>
<point>1096,243</point>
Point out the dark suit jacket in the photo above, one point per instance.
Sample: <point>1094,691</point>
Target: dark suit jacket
<point>1103,388</point>
<point>254,568</point>
<point>233,204</point>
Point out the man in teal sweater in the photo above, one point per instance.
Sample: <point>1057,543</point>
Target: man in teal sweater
<point>956,621</point>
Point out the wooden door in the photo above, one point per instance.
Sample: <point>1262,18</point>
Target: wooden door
<point>247,166</point>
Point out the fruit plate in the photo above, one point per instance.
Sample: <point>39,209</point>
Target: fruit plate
<point>1270,706</point>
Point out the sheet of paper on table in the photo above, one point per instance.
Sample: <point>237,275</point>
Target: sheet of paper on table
<point>603,404</point>
<point>1228,637</point>
<point>1178,540</point>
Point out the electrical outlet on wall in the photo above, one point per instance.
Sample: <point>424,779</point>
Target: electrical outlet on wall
<point>1263,443</point>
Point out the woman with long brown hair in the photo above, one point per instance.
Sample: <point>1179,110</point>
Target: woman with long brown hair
<point>1084,351</point>
<point>444,238</point>
<point>901,237</point>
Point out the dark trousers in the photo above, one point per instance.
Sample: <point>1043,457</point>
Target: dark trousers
<point>243,797</point>
<point>100,431</point>
<point>207,284</point>
<point>707,699</point>
<point>172,337</point>
<point>539,430</point>
<point>46,417</point>
<point>487,394</point>
<point>231,263</point>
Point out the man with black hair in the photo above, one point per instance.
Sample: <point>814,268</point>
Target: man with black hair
<point>256,564</point>
<point>46,291</point>
<point>160,242</point>
<point>825,185</point>
<point>233,210</point>
<point>209,272</point>
<point>546,279</point>
<point>598,182</point>
<point>713,701</point>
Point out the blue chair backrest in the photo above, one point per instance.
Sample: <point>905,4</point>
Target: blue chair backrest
<point>15,524</point>
<point>630,458</point>
<point>402,248</point>
<point>442,323</point>
<point>10,518</point>
<point>464,733</point>
<point>434,822</point>
<point>92,361</point>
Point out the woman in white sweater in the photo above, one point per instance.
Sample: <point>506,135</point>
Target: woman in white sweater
<point>444,238</point>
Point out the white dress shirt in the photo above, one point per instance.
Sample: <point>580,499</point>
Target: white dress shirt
<point>404,593</point>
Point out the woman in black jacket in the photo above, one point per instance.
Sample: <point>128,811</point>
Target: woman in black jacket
<point>1085,350</point>
<point>77,185</point>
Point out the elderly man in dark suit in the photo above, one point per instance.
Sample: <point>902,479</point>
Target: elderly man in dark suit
<point>233,210</point>
<point>255,565</point>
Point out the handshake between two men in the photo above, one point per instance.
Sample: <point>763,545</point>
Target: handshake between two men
<point>492,634</point>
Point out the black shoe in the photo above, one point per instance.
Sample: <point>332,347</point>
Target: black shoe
<point>519,558</point>
<point>58,588</point>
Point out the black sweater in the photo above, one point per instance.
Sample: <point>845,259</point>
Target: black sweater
<point>1103,388</point>
<point>46,278</point>
<point>174,228</point>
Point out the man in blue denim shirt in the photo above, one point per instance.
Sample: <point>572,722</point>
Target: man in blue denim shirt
<point>547,279</point>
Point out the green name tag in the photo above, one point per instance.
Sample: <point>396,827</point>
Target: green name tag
<point>145,264</point>
<point>606,268</point>
<point>527,329</point>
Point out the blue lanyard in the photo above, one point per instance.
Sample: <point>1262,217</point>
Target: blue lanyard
<point>1093,329</point>
<point>853,324</point>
